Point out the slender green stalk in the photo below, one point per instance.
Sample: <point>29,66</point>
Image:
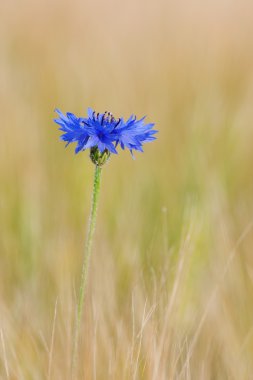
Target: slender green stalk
<point>85,268</point>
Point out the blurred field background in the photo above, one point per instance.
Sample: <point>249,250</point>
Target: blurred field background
<point>171,283</point>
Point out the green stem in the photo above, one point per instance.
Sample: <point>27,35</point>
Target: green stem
<point>85,268</point>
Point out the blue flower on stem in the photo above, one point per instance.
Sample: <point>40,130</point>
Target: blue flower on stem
<point>103,132</point>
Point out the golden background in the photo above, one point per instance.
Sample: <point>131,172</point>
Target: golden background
<point>171,281</point>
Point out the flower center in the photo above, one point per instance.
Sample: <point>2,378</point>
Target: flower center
<point>107,117</point>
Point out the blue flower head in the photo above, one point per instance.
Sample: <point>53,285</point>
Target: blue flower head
<point>102,133</point>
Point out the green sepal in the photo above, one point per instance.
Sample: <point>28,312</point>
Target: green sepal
<point>97,157</point>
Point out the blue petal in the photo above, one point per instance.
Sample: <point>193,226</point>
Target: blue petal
<point>90,112</point>
<point>111,148</point>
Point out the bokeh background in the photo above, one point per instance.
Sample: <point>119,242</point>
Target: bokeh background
<point>171,283</point>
